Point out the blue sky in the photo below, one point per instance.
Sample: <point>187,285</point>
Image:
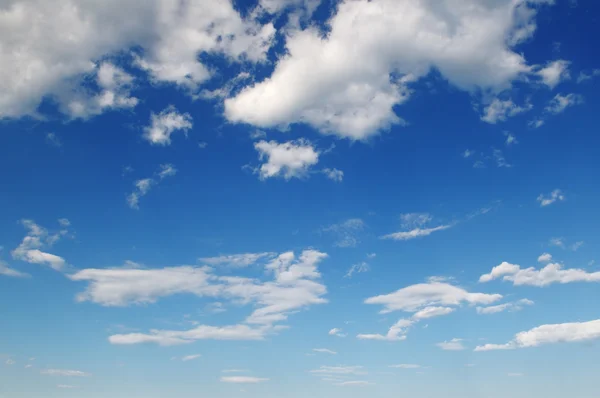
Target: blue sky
<point>286,198</point>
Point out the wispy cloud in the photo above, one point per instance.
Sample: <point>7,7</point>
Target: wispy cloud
<point>143,186</point>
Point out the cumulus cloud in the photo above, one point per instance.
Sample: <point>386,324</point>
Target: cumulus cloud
<point>551,273</point>
<point>550,334</point>
<point>545,258</point>
<point>561,102</point>
<point>499,110</point>
<point>292,159</point>
<point>555,72</point>
<point>349,82</point>
<point>554,196</point>
<point>38,238</point>
<point>515,306</point>
<point>452,345</point>
<point>295,286</point>
<point>164,124</point>
<point>143,186</point>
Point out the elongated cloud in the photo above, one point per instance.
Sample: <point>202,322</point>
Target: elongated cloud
<point>415,233</point>
<point>551,273</point>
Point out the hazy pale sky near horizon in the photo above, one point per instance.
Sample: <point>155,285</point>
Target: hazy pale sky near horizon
<point>291,198</point>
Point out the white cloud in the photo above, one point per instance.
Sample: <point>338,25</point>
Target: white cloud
<point>339,370</point>
<point>334,174</point>
<point>347,233</point>
<point>467,153</point>
<point>550,334</point>
<point>554,73</point>
<point>359,383</point>
<point>515,374</point>
<point>243,379</point>
<point>336,332</point>
<point>558,242</point>
<point>510,139</point>
<point>516,306</point>
<point>397,332</point>
<point>415,233</point>
<point>415,220</point>
<point>416,297</point>
<point>234,371</point>
<point>166,123</point>
<point>559,103</point>
<point>10,362</point>
<point>39,238</point>
<point>7,271</point>
<point>190,357</point>
<point>237,260</point>
<point>554,196</point>
<point>53,140</point>
<point>536,123</point>
<point>358,269</point>
<point>143,186</point>
<point>54,46</point>
<point>295,286</point>
<point>324,351</point>
<point>431,312</point>
<point>347,84</point>
<point>545,258</point>
<point>499,110</point>
<point>65,373</point>
<point>551,273</point>
<point>585,76</point>
<point>500,159</point>
<point>406,366</point>
<point>575,246</point>
<point>292,159</point>
<point>452,345</point>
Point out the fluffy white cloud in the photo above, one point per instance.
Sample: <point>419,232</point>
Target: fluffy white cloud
<point>416,297</point>
<point>499,111</point>
<point>143,186</point>
<point>348,82</point>
<point>54,45</point>
<point>545,258</point>
<point>415,233</point>
<point>336,332</point>
<point>561,102</point>
<point>288,160</point>
<point>516,306</point>
<point>39,238</point>
<point>554,73</point>
<point>295,286</point>
<point>551,273</point>
<point>555,196</point>
<point>347,233</point>
<point>324,351</point>
<point>237,260</point>
<point>66,373</point>
<point>243,379</point>
<point>452,345</point>
<point>550,334</point>
<point>358,269</point>
<point>164,124</point>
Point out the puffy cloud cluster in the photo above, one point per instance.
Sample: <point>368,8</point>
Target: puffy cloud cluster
<point>551,273</point>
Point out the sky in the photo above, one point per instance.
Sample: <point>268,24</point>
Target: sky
<point>291,198</point>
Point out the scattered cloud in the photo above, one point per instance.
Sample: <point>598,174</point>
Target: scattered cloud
<point>334,174</point>
<point>237,260</point>
<point>587,75</point>
<point>359,383</point>
<point>452,345</point>
<point>554,73</point>
<point>7,271</point>
<point>560,103</point>
<point>292,159</point>
<point>550,334</point>
<point>243,379</point>
<point>406,366</point>
<point>340,370</point>
<point>164,124</point>
<point>510,139</point>
<point>65,373</point>
<point>500,159</point>
<point>515,374</point>
<point>554,196</point>
<point>347,233</point>
<point>515,306</point>
<point>551,273</point>
<point>10,362</point>
<point>467,153</point>
<point>499,111</point>
<point>324,351</point>
<point>67,386</point>
<point>190,357</point>
<point>577,245</point>
<point>415,233</point>
<point>558,242</point>
<point>358,269</point>
<point>143,186</point>
<point>337,332</point>
<point>545,258</point>
<point>53,140</point>
<point>36,239</point>
<point>431,312</point>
